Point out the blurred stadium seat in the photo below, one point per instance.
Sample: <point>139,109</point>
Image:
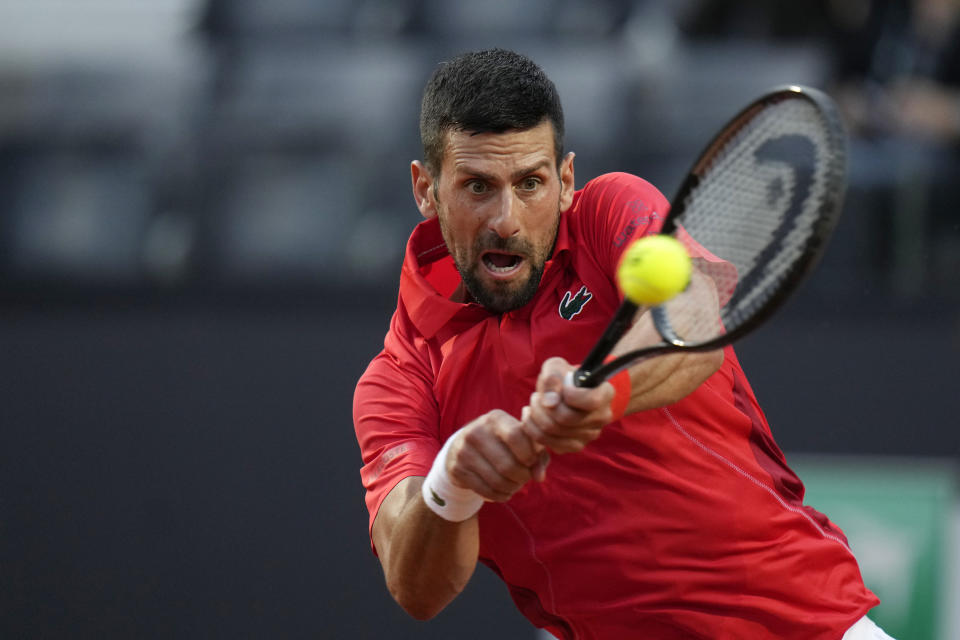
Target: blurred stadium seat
<point>75,214</point>
<point>82,143</point>
<point>204,112</point>
<point>347,98</point>
<point>296,151</point>
<point>306,20</point>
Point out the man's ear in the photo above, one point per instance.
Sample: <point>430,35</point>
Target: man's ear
<point>567,184</point>
<point>423,189</point>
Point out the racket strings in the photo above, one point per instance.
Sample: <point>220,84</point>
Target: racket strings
<point>756,209</point>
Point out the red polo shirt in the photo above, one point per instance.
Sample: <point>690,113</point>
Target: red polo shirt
<point>682,522</point>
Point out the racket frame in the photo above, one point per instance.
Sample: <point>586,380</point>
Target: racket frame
<point>597,367</point>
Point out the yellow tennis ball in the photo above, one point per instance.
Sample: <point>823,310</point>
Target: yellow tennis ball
<point>653,270</point>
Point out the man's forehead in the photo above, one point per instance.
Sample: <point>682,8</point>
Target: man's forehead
<point>468,151</point>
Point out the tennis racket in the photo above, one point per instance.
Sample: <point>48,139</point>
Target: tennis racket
<point>763,199</point>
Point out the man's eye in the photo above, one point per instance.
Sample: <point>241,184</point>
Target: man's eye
<point>529,184</point>
<point>477,187</point>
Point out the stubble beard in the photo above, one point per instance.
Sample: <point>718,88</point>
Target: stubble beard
<point>501,297</point>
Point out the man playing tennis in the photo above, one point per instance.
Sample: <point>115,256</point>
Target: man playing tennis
<point>668,511</point>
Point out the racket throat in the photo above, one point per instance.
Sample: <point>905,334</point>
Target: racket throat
<point>661,320</point>
<point>619,325</point>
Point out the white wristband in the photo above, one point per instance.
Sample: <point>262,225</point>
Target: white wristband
<point>444,498</point>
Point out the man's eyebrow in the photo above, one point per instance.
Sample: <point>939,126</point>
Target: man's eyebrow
<point>474,173</point>
<point>516,175</point>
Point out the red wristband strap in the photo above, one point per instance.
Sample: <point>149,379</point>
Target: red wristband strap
<point>621,396</point>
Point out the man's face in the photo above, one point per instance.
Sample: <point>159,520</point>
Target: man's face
<point>499,199</point>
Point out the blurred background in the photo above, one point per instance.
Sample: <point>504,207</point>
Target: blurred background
<point>203,209</point>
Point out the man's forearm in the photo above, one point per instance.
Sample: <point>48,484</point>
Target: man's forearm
<point>666,379</point>
<point>662,380</point>
<point>427,561</point>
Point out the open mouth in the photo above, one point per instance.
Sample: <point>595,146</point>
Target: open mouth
<point>501,264</point>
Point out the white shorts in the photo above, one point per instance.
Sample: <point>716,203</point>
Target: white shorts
<point>865,629</point>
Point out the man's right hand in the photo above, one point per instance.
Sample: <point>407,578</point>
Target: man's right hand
<point>494,457</point>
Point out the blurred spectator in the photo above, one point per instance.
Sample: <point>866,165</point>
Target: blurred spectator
<point>898,83</point>
<point>753,19</point>
<point>899,67</point>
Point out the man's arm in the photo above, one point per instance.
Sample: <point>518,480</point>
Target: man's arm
<point>427,561</point>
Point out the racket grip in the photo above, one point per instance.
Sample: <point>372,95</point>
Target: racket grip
<point>583,378</point>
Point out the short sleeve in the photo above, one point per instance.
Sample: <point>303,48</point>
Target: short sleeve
<point>613,210</point>
<point>396,422</point>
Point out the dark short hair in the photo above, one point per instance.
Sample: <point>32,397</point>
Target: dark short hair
<point>490,91</point>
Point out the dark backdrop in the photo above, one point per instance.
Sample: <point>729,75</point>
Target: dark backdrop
<point>186,466</point>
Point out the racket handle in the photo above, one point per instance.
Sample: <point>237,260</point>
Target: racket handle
<point>619,324</point>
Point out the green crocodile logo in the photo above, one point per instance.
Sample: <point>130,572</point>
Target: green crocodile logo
<point>571,305</point>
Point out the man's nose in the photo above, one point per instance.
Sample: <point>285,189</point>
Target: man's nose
<point>506,220</point>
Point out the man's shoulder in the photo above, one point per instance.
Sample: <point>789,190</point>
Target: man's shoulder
<point>404,351</point>
<point>612,207</point>
<point>619,191</point>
